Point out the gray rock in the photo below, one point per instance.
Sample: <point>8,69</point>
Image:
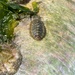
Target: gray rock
<point>55,54</point>
<point>10,59</point>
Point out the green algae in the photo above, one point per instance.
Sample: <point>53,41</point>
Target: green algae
<point>9,18</point>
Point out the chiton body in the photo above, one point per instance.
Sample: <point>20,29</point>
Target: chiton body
<point>37,29</point>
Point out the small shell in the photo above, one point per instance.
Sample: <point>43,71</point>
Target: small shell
<point>37,29</point>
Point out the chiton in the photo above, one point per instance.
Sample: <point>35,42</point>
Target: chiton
<point>37,29</point>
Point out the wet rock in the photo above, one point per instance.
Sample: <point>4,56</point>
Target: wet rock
<point>54,54</point>
<point>10,59</point>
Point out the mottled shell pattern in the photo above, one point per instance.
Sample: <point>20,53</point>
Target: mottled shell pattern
<point>37,28</point>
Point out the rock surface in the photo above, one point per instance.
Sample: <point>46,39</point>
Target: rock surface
<point>10,60</point>
<point>55,54</point>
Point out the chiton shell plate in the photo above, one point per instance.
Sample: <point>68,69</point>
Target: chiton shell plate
<point>37,29</point>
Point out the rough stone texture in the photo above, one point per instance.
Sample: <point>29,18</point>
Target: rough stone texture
<point>55,54</point>
<point>10,60</point>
